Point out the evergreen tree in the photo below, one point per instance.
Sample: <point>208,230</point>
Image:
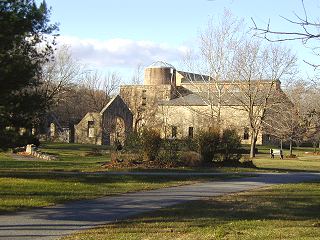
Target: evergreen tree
<point>25,44</point>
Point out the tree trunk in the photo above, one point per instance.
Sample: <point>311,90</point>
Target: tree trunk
<point>253,145</point>
<point>290,147</point>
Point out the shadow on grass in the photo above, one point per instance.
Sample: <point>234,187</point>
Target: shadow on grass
<point>101,178</point>
<point>294,202</point>
<point>75,147</point>
<point>285,170</point>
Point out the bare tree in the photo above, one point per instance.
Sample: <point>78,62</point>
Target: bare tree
<point>214,63</point>
<point>137,77</point>
<point>257,72</point>
<point>284,123</point>
<point>306,97</point>
<point>99,88</point>
<point>60,74</point>
<point>308,31</point>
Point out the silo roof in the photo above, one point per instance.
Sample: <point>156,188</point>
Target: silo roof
<point>160,64</point>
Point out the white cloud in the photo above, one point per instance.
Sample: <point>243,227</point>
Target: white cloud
<point>121,52</point>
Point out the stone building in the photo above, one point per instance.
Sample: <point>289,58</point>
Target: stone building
<point>107,127</point>
<point>181,104</point>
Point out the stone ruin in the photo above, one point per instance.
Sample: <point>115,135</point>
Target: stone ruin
<point>32,150</point>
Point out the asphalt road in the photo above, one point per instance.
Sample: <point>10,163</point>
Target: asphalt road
<point>60,220</point>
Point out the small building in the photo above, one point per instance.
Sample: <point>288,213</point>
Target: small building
<point>107,127</point>
<point>55,130</point>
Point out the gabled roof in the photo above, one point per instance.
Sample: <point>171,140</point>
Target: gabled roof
<point>108,104</point>
<point>113,100</point>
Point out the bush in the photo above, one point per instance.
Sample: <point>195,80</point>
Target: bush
<point>222,148</point>
<point>190,144</point>
<point>133,142</point>
<point>151,143</point>
<point>170,149</point>
<point>190,159</point>
<point>230,145</point>
<point>208,144</point>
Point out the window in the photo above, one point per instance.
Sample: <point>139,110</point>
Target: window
<point>190,132</point>
<point>144,101</point>
<point>245,133</point>
<point>90,129</point>
<point>144,97</point>
<point>174,132</point>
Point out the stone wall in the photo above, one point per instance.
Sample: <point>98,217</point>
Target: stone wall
<point>116,121</point>
<point>89,129</point>
<point>182,118</point>
<point>143,102</point>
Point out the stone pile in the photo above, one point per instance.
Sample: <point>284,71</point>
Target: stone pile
<point>31,149</point>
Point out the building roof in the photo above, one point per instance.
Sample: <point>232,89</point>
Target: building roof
<point>160,64</point>
<point>188,100</point>
<point>193,77</point>
<point>115,100</point>
<point>108,104</point>
<point>205,99</point>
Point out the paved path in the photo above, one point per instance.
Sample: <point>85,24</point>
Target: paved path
<point>57,221</point>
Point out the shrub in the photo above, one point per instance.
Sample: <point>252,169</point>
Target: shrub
<point>190,159</point>
<point>151,143</point>
<point>224,148</point>
<point>208,144</point>
<point>190,144</point>
<point>170,149</point>
<point>230,146</point>
<point>133,142</point>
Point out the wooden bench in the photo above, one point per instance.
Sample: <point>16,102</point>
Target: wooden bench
<point>278,152</point>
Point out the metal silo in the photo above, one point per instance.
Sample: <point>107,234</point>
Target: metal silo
<point>160,73</point>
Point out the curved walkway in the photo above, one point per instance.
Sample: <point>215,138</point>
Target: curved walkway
<point>57,221</point>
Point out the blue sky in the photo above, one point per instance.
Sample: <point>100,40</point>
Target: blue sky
<point>116,35</point>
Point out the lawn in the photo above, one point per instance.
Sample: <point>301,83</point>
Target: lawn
<point>25,190</point>
<point>26,183</point>
<point>289,211</point>
<point>305,160</point>
<point>84,158</point>
<point>70,157</point>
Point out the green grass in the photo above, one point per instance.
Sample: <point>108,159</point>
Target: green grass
<point>79,158</point>
<point>301,163</point>
<point>290,211</point>
<point>24,190</point>
<point>26,183</point>
<point>305,160</point>
<point>70,157</point>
